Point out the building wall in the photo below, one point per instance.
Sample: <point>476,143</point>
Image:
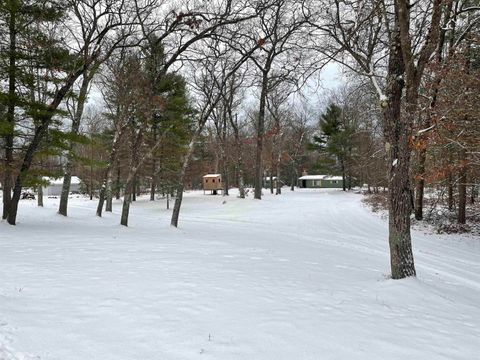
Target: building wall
<point>322,184</point>
<point>56,189</point>
<point>209,184</point>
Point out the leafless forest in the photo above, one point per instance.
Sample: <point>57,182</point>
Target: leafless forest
<point>147,96</point>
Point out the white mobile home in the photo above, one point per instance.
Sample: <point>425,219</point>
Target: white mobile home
<point>54,187</point>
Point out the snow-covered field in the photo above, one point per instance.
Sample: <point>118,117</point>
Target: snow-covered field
<point>297,276</point>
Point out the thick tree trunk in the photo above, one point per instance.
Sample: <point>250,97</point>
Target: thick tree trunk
<point>241,184</point>
<point>294,177</point>
<point>101,200</point>
<point>126,202</point>
<point>240,175</point>
<point>344,180</point>
<point>462,189</point>
<point>77,117</point>
<point>397,130</point>
<point>40,196</point>
<point>152,190</point>
<point>27,162</point>
<point>7,193</point>
<point>108,193</point>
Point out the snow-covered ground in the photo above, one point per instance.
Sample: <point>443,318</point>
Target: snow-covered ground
<point>297,276</point>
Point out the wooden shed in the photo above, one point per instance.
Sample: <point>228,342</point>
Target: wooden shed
<point>212,182</point>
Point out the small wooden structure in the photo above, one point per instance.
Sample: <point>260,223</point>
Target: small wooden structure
<point>212,182</point>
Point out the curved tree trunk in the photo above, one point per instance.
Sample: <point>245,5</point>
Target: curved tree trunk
<point>67,176</point>
<point>180,186</point>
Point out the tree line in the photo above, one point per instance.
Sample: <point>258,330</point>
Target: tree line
<point>186,84</point>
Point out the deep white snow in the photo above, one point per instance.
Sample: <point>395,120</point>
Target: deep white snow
<point>297,276</point>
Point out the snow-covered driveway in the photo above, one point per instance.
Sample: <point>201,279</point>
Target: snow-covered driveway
<point>297,276</point>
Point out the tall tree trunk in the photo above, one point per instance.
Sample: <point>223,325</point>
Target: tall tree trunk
<point>180,186</point>
<point>344,180</point>
<point>260,135</point>
<point>9,133</point>
<point>77,117</point>
<point>397,136</point>
<point>462,188</point>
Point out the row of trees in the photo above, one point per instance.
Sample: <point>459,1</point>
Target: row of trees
<point>174,75</point>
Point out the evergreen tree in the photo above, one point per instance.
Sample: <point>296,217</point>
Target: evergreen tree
<point>336,140</point>
<point>31,62</point>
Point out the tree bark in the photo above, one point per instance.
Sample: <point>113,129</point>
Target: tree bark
<point>397,131</point>
<point>180,186</point>
<point>260,135</point>
<point>67,176</point>
<point>40,196</point>
<point>126,202</point>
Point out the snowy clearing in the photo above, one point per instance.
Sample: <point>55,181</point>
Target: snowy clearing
<point>296,276</point>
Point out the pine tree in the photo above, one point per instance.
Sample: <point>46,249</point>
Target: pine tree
<point>336,139</point>
<point>31,63</point>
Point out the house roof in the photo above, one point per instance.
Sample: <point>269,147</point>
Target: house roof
<point>212,175</point>
<point>312,177</point>
<point>320,177</point>
<point>333,178</point>
<point>59,181</point>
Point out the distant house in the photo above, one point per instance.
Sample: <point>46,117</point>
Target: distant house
<point>54,187</point>
<point>212,182</point>
<point>320,181</point>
